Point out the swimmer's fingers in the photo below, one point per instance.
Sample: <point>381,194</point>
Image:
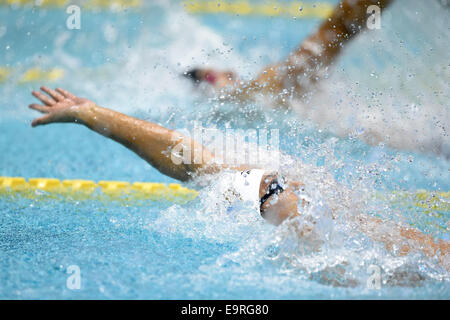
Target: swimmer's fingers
<point>66,93</point>
<point>46,100</point>
<point>40,108</point>
<point>52,93</point>
<point>42,120</point>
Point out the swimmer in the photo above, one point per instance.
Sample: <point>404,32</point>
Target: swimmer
<point>274,197</point>
<point>303,68</point>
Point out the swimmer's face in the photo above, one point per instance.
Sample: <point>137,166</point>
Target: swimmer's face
<point>279,207</point>
<point>218,79</point>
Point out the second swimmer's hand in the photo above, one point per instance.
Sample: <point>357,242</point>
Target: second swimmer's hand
<point>58,106</point>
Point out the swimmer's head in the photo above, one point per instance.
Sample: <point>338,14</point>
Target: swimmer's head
<point>280,205</point>
<point>215,78</point>
<point>270,194</point>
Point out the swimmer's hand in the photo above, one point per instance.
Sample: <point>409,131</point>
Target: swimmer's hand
<point>58,106</point>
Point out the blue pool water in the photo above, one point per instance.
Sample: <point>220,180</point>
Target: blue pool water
<point>131,61</point>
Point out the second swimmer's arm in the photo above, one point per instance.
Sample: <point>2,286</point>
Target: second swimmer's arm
<point>316,52</point>
<point>302,67</point>
<point>150,141</point>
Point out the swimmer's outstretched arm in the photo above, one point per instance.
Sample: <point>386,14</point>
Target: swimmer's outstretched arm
<point>150,141</point>
<point>302,67</point>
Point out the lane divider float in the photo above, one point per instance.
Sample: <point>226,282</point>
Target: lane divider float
<point>87,4</point>
<point>87,189</point>
<point>4,73</point>
<point>293,9</point>
<point>37,74</point>
<point>430,201</point>
<point>33,74</point>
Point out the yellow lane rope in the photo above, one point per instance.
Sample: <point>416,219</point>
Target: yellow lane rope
<point>33,74</point>
<point>37,74</point>
<point>430,201</point>
<point>4,73</point>
<point>88,189</point>
<point>87,4</point>
<point>293,9</point>
<point>297,9</point>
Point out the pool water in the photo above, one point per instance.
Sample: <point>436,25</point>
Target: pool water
<point>394,82</point>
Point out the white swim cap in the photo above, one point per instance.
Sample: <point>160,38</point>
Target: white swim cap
<point>247,184</point>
